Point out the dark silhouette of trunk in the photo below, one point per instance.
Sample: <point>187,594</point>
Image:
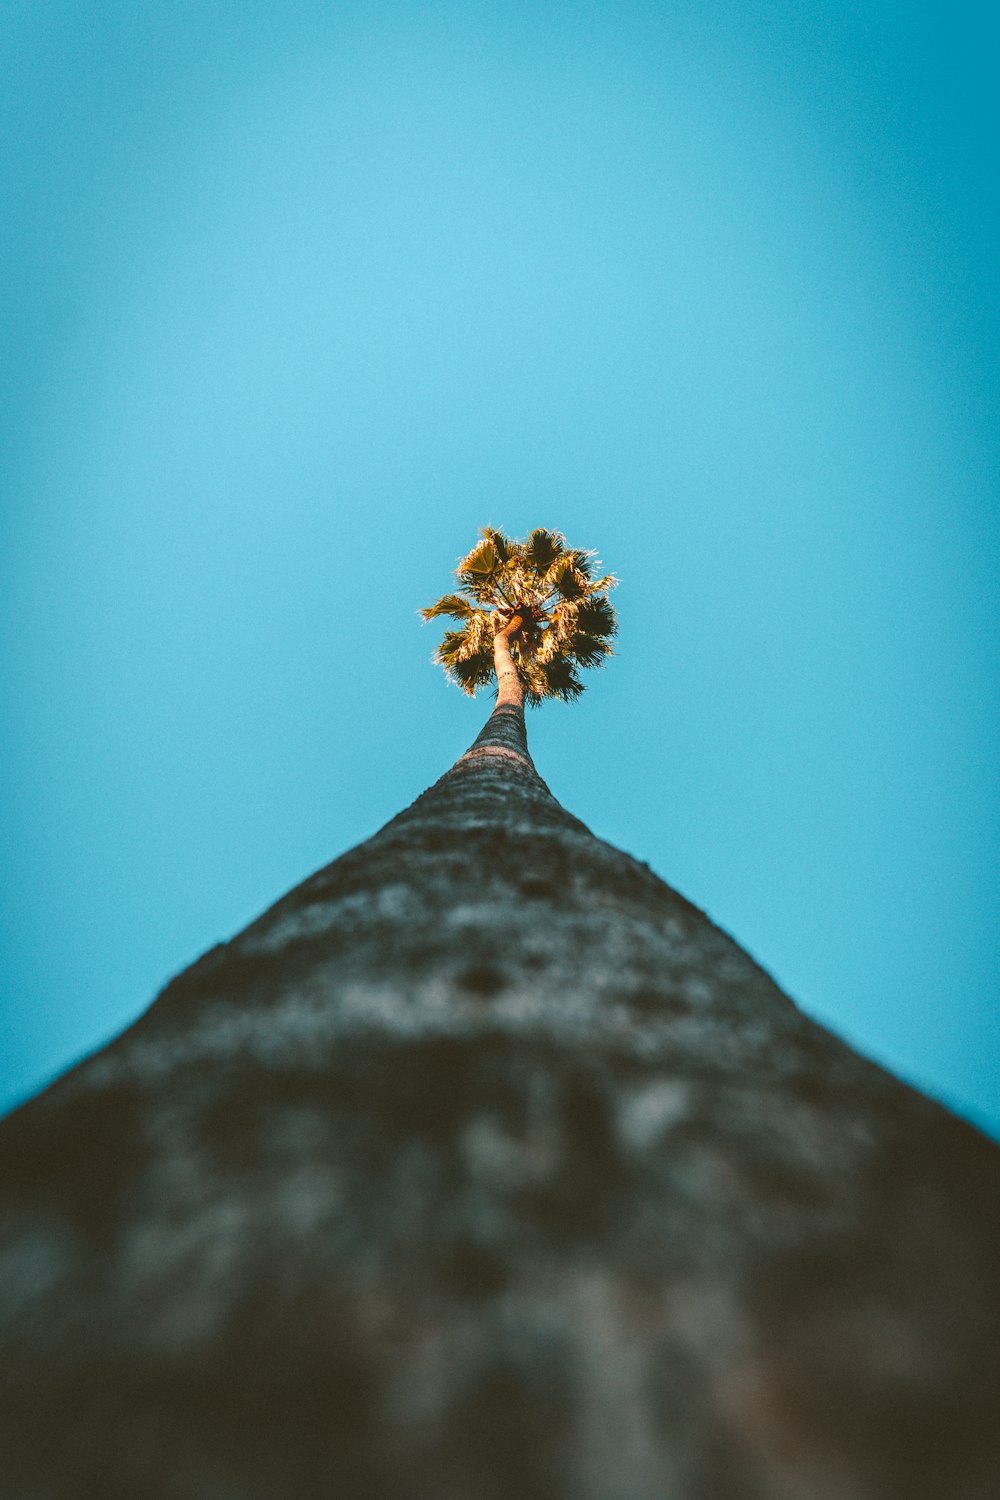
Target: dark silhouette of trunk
<point>484,1167</point>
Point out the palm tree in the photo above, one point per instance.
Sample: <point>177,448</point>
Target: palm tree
<point>484,1165</point>
<point>531,612</point>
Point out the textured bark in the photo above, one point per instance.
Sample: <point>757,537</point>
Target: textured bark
<point>510,693</point>
<point>484,1167</point>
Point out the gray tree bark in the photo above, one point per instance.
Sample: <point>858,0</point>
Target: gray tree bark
<point>484,1167</point>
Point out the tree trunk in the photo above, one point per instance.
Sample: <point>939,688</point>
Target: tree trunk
<point>484,1167</point>
<point>509,690</point>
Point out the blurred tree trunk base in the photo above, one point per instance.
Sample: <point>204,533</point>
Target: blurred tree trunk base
<point>484,1167</point>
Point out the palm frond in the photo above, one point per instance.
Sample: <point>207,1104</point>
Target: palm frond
<point>449,604</point>
<point>567,579</point>
<point>564,619</point>
<point>497,540</point>
<point>479,564</point>
<point>454,647</point>
<point>473,672</point>
<point>583,563</point>
<point>472,636</point>
<point>467,654</point>
<point>500,543</point>
<point>597,616</point>
<point>560,680</point>
<point>543,548</point>
<point>532,680</point>
<point>588,650</point>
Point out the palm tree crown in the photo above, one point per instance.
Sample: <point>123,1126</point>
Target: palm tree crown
<point>541,595</point>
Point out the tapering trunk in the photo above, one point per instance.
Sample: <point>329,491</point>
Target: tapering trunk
<point>509,690</point>
<point>484,1166</point>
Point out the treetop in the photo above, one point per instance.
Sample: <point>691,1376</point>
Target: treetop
<point>547,597</point>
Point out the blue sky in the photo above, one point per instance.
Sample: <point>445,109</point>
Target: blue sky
<point>296,298</point>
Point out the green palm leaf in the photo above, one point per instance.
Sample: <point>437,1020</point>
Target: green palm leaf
<point>454,647</point>
<point>597,617</point>
<point>481,563</point>
<point>560,679</point>
<point>501,544</point>
<point>543,548</point>
<point>450,604</point>
<point>567,579</point>
<point>473,672</point>
<point>588,650</point>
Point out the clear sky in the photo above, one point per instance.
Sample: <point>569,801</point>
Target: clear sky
<point>296,297</point>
